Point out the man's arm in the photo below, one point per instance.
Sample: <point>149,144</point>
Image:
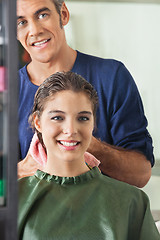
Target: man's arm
<point>125,165</point>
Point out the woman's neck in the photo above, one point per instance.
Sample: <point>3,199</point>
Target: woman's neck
<point>66,169</point>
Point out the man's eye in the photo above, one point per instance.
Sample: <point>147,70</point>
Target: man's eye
<point>83,118</point>
<point>43,15</point>
<point>21,23</point>
<point>57,118</point>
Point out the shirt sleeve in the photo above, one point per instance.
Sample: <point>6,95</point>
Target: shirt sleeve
<point>127,119</point>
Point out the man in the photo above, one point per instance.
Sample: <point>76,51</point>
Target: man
<point>120,118</point>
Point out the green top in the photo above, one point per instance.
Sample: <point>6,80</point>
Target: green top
<point>89,206</point>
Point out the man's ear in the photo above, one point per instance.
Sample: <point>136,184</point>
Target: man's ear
<point>64,14</point>
<point>37,123</point>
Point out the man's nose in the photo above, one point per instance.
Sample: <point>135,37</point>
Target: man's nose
<point>35,28</point>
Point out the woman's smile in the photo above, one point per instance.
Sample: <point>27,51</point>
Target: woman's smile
<point>69,145</point>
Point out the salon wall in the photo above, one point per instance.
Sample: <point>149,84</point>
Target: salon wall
<point>128,32</point>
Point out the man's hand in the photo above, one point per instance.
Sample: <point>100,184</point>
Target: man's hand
<point>122,164</point>
<point>28,166</point>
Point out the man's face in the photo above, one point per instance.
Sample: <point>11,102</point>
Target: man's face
<point>39,29</point>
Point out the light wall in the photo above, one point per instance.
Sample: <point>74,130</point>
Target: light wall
<point>128,32</point>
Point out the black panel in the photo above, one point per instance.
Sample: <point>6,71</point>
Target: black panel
<point>8,120</point>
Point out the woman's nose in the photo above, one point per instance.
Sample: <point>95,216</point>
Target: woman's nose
<point>70,128</point>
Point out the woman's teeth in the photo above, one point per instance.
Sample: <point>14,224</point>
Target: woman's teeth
<point>68,144</point>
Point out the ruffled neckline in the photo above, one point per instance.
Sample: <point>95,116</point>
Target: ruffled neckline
<point>85,177</point>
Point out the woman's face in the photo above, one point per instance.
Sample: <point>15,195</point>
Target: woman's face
<point>66,125</point>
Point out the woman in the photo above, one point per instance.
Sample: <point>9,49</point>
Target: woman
<point>69,200</point>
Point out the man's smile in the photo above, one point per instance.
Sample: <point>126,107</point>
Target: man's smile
<point>40,43</point>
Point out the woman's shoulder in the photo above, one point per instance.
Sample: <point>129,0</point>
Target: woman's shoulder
<point>27,183</point>
<point>122,190</point>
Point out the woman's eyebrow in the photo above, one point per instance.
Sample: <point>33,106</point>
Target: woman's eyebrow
<point>55,111</point>
<point>85,112</point>
<point>60,111</point>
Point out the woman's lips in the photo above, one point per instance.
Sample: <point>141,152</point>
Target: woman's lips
<point>68,145</point>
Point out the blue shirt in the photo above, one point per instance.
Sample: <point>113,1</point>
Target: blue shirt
<point>120,116</point>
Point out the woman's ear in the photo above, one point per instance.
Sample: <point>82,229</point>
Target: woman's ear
<point>64,14</point>
<point>37,123</point>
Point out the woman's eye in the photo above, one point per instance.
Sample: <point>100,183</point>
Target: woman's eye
<point>57,118</point>
<point>83,118</point>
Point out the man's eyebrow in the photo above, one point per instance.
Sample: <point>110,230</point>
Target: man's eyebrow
<point>37,12</point>
<point>42,10</point>
<point>19,17</point>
